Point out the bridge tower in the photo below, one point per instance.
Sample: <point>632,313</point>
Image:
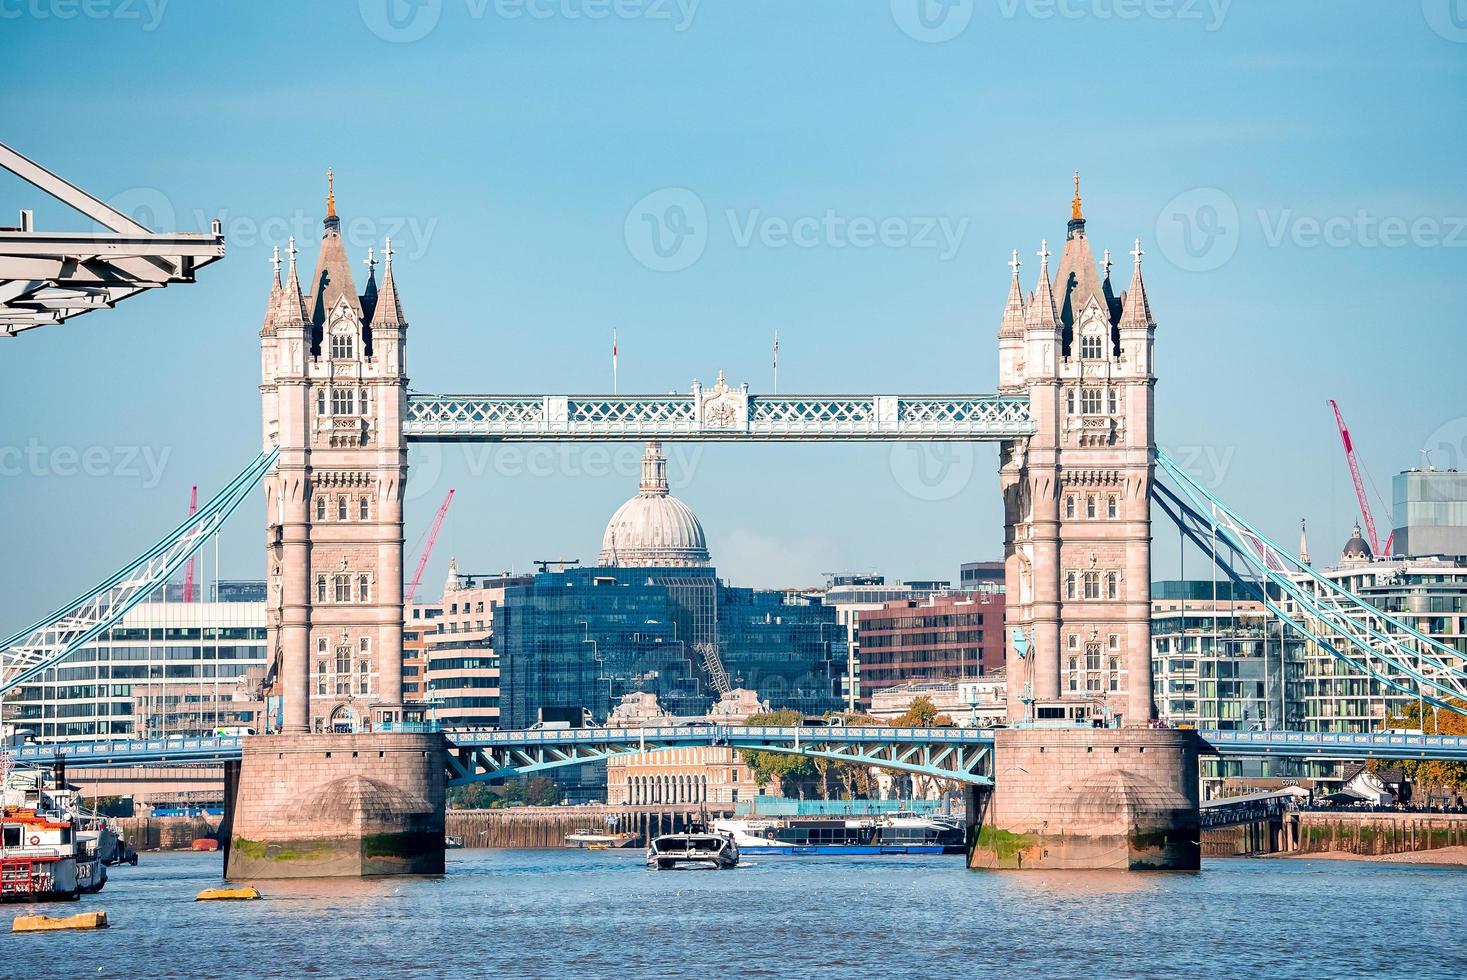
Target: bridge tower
<point>1077,493</point>
<point>1077,503</point>
<point>339,787</point>
<point>334,390</point>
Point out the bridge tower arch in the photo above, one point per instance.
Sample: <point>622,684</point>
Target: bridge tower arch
<point>1077,493</point>
<point>333,395</point>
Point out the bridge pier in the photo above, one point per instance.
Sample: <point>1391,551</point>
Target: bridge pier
<point>1098,798</point>
<point>318,806</point>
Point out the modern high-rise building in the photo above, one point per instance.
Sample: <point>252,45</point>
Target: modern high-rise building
<point>450,663</point>
<point>945,637</point>
<point>1429,510</point>
<point>166,668</point>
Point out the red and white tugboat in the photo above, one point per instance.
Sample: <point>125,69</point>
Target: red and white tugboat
<point>41,859</point>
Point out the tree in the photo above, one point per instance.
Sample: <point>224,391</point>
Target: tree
<point>921,713</point>
<point>769,767</point>
<point>1434,721</point>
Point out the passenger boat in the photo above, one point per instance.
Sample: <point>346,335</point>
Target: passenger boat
<point>903,832</point>
<point>695,848</point>
<point>42,857</point>
<point>599,839</point>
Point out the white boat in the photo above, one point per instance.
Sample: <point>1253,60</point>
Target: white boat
<point>695,849</point>
<point>903,832</point>
<point>599,839</point>
<point>42,857</point>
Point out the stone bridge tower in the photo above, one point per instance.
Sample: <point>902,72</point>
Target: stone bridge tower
<point>1077,503</point>
<point>1077,494</point>
<point>335,789</point>
<point>334,390</point>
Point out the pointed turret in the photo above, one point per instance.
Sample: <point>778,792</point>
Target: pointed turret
<point>293,302</point>
<point>277,291</point>
<point>1013,311</point>
<point>1137,312</point>
<point>387,311</point>
<point>1042,314</point>
<point>1303,542</point>
<point>332,280</point>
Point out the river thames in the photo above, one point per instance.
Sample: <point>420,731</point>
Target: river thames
<point>601,914</point>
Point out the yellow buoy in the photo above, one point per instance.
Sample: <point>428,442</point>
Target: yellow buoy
<point>45,923</point>
<point>246,894</point>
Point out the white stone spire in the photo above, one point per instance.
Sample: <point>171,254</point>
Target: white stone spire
<point>451,584</point>
<point>654,471</point>
<point>1013,311</point>
<point>1304,542</point>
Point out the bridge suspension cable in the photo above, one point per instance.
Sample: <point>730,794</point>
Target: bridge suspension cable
<point>1350,629</point>
<point>48,642</point>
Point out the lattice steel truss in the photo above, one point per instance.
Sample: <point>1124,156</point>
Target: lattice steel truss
<point>727,415</point>
<point>959,754</point>
<point>48,277</point>
<point>1352,630</point>
<point>45,644</point>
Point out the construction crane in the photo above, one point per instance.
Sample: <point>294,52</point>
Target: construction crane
<point>188,572</point>
<point>1365,513</point>
<point>430,537</point>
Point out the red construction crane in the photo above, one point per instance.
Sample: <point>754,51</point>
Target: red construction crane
<point>188,573</point>
<point>432,536</point>
<point>1365,514</point>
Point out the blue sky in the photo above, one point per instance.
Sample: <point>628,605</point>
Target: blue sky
<point>1295,171</point>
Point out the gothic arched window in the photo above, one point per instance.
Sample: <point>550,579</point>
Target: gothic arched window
<point>362,508</point>
<point>341,508</point>
<point>320,508</point>
<point>1112,506</point>
<point>1091,346</point>
<point>342,345</point>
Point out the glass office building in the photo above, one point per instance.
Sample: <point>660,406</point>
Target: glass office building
<point>576,641</point>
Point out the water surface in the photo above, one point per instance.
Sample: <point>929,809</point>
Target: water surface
<point>601,914</point>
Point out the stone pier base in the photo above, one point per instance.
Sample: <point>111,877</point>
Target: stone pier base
<point>1117,799</point>
<point>316,806</point>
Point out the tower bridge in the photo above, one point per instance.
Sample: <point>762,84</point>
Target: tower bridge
<point>1074,419</point>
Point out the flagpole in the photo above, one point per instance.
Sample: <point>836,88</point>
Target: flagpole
<point>613,362</point>
<point>776,362</point>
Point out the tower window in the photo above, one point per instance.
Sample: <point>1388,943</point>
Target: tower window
<point>1112,506</point>
<point>320,588</point>
<point>343,401</point>
<point>1092,585</point>
<point>1090,346</point>
<point>366,399</point>
<point>343,588</point>
<point>362,508</point>
<point>1069,585</point>
<point>342,345</point>
<point>1090,506</point>
<point>1112,588</point>
<point>1090,401</point>
<point>341,508</point>
<point>364,592</point>
<point>1070,401</point>
<point>320,508</point>
<point>1113,396</point>
<point>320,401</point>
<point>1069,506</point>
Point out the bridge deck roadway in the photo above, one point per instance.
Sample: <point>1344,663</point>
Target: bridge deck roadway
<point>550,749</point>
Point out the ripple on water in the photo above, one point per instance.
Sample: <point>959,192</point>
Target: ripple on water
<point>602,914</point>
